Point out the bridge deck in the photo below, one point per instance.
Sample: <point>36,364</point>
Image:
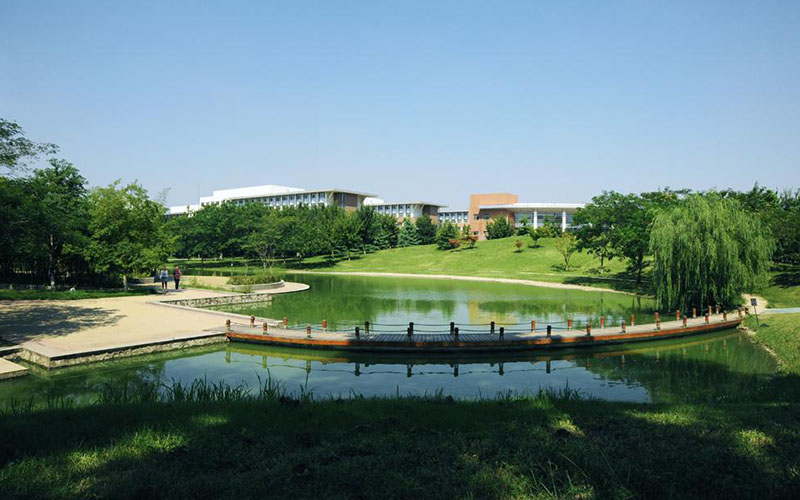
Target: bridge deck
<point>434,342</point>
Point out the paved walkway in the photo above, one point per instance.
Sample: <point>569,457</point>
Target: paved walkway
<point>54,329</point>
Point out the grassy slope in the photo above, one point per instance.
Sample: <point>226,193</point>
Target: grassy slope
<point>541,447</point>
<point>784,287</point>
<point>494,259</point>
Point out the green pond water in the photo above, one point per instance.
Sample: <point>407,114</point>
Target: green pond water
<point>719,366</point>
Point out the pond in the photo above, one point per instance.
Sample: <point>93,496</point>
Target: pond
<point>719,366</point>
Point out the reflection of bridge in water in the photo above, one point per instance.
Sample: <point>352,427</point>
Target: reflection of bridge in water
<point>458,362</point>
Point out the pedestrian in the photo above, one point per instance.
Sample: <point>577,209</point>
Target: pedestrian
<point>164,275</point>
<point>176,275</point>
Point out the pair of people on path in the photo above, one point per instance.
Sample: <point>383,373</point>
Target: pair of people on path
<point>164,276</point>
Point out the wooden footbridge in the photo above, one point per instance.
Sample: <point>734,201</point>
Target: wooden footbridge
<point>476,338</point>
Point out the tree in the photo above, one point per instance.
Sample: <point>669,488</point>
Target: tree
<point>518,244</point>
<point>499,227</point>
<point>127,231</point>
<point>537,234</point>
<point>595,223</point>
<point>407,236</point>
<point>15,149</point>
<point>566,245</point>
<point>426,230</point>
<point>707,250</point>
<point>59,216</point>
<point>263,241</point>
<point>447,233</point>
<point>524,227</point>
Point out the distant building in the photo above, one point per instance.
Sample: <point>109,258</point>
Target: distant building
<point>412,210</point>
<point>278,197</point>
<point>485,207</point>
<point>482,207</point>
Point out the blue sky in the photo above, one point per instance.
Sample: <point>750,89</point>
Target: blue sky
<point>411,100</point>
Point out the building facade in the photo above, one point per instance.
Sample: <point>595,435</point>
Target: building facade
<point>278,197</point>
<point>482,207</point>
<point>412,210</point>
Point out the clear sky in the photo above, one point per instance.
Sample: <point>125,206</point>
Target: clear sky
<point>430,100</point>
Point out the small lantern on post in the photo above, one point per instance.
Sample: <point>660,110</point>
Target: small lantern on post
<point>308,331</point>
<point>264,327</point>
<point>324,325</point>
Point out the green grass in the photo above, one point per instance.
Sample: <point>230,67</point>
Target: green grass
<point>784,287</point>
<point>216,443</point>
<point>6,294</point>
<point>493,259</point>
<point>781,334</point>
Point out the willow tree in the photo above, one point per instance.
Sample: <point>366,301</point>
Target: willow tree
<point>707,250</point>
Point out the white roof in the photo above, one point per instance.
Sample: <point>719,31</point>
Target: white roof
<point>535,206</point>
<point>451,210</point>
<point>182,209</point>
<point>382,202</point>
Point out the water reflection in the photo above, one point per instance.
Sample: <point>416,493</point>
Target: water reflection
<point>346,301</point>
<point>718,366</point>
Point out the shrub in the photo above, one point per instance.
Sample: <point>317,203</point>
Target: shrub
<point>499,227</point>
<point>255,279</point>
<point>446,235</point>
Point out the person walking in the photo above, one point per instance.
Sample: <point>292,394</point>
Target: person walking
<point>164,275</point>
<point>176,275</point>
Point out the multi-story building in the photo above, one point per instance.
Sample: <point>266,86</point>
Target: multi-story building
<point>454,216</point>
<point>482,207</point>
<point>278,197</point>
<point>412,210</point>
<point>485,207</point>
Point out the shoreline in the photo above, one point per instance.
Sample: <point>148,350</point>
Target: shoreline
<point>511,281</point>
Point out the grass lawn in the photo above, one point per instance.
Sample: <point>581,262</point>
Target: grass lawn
<point>6,294</point>
<point>219,443</point>
<point>494,259</point>
<point>784,287</point>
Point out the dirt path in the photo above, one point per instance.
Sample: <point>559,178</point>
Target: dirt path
<point>543,284</point>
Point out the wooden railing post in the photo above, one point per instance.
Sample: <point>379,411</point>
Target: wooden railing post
<point>366,327</point>
<point>264,327</point>
<point>549,331</point>
<point>491,328</point>
<point>622,325</point>
<point>324,325</point>
<point>308,331</point>
<point>569,324</point>
<point>684,321</point>
<point>633,320</point>
<point>602,321</point>
<point>358,332</point>
<point>285,321</point>
<point>252,321</point>
<point>410,328</point>
<point>588,329</point>
<point>452,327</point>
<point>533,325</point>
<point>502,331</point>
<point>228,325</point>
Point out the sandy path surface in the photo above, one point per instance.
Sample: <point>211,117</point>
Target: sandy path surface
<point>57,327</point>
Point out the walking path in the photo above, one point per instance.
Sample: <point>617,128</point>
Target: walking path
<point>57,333</point>
<point>543,284</point>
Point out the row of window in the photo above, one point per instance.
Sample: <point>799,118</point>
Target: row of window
<point>454,217</point>
<point>288,200</point>
<point>396,210</point>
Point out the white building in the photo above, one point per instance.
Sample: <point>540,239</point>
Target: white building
<point>278,197</point>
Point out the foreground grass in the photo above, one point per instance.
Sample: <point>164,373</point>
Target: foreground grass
<point>548,446</point>
<point>6,294</point>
